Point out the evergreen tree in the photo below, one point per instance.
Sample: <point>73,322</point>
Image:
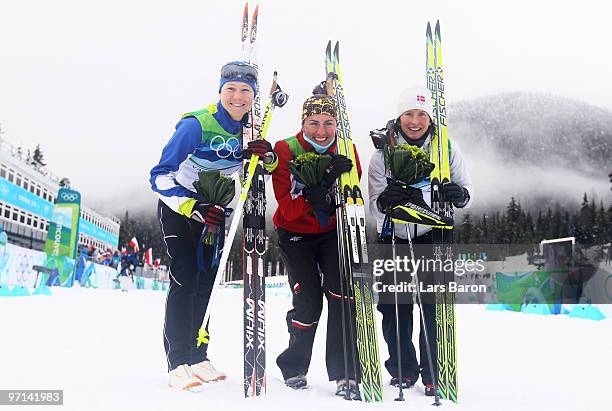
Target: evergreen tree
<point>482,229</point>
<point>528,229</point>
<point>609,224</point>
<point>540,228</point>
<point>568,228</point>
<point>556,222</point>
<point>497,229</point>
<point>548,228</point>
<point>466,230</point>
<point>38,158</point>
<point>600,225</point>
<point>126,231</point>
<point>584,233</point>
<point>512,221</point>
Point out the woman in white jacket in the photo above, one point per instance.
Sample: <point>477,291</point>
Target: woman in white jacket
<point>413,125</point>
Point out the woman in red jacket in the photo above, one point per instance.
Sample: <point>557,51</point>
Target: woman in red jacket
<point>306,225</point>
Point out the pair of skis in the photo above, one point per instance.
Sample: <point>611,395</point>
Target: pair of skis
<point>254,231</point>
<point>439,156</point>
<point>352,246</point>
<point>252,206</point>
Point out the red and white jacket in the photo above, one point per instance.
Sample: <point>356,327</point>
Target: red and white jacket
<point>294,213</point>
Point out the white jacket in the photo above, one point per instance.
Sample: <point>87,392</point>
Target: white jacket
<point>377,182</point>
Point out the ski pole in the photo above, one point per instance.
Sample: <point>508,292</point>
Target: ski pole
<point>341,273</point>
<point>420,302</point>
<point>397,327</point>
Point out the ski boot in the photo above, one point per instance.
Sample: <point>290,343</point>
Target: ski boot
<point>182,378</point>
<point>205,372</point>
<point>349,391</point>
<point>430,390</point>
<point>407,382</point>
<point>297,383</point>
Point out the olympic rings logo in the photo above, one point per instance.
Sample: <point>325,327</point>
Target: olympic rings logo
<point>226,148</point>
<point>69,196</point>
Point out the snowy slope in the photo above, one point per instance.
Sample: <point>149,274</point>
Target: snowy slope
<point>104,349</point>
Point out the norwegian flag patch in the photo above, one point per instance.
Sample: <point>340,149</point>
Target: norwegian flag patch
<point>421,99</point>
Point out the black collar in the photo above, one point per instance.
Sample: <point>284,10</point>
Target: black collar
<point>419,143</point>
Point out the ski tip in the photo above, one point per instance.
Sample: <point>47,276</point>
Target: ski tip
<point>438,28</point>
<point>244,30</point>
<point>428,29</point>
<point>328,58</point>
<point>337,49</point>
<point>253,33</point>
<point>254,19</point>
<point>245,15</point>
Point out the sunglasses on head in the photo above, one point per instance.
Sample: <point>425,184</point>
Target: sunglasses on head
<point>244,71</point>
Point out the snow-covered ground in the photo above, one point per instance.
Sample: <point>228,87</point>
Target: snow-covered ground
<point>104,349</point>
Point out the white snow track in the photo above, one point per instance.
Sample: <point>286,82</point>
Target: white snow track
<point>104,349</point>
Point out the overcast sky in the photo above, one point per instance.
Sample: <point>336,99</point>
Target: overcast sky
<point>101,85</point>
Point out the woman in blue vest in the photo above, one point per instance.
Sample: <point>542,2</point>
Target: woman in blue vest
<point>208,139</point>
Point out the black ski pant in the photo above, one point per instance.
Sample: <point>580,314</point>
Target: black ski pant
<point>411,367</point>
<point>189,289</point>
<point>312,265</point>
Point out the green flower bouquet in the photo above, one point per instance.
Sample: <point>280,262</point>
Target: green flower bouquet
<point>309,168</point>
<point>408,164</point>
<point>214,188</point>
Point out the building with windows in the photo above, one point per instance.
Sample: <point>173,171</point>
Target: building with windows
<point>27,195</point>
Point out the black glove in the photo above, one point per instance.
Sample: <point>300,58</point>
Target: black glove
<point>319,198</point>
<point>264,150</point>
<point>394,194</point>
<point>339,164</point>
<point>259,147</point>
<point>456,194</point>
<point>209,214</point>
